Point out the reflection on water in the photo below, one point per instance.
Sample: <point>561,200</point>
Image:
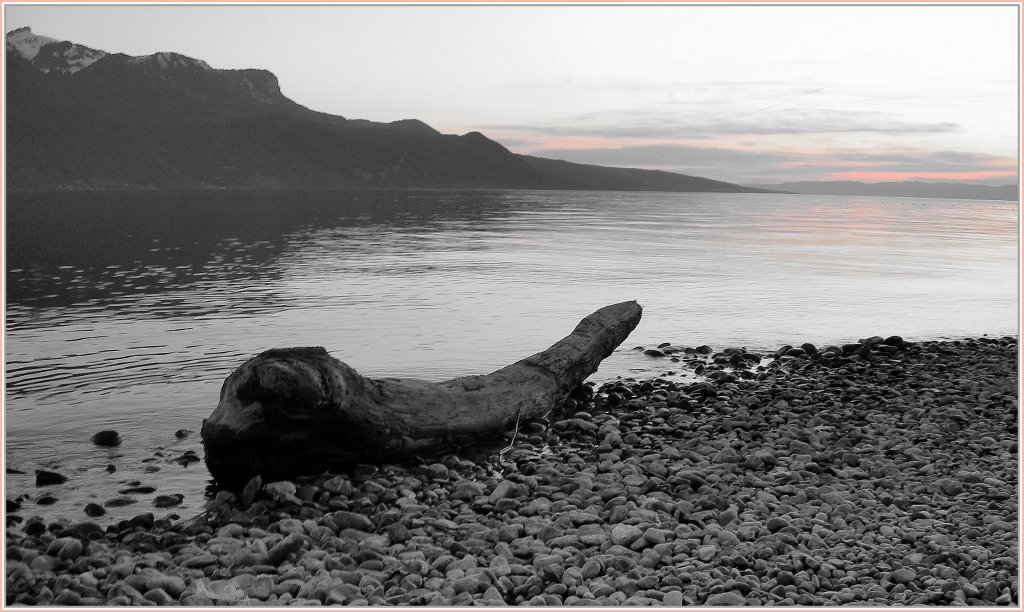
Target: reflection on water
<point>127,288</point>
<point>130,309</point>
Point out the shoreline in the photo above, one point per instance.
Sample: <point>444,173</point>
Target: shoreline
<point>860,476</point>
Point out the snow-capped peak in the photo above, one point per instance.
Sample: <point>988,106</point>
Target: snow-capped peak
<point>51,55</point>
<point>26,43</point>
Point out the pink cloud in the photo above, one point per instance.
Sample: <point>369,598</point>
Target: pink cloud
<point>882,175</point>
<point>835,163</point>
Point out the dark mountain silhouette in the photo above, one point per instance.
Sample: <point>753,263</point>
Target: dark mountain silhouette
<point>966,191</point>
<point>82,118</point>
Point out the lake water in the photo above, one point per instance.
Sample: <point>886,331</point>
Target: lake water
<point>126,311</point>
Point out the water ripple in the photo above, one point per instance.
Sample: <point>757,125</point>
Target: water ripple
<point>145,303</point>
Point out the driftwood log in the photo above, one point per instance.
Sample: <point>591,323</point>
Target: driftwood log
<point>294,411</point>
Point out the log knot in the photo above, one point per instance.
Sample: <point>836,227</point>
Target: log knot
<point>286,382</point>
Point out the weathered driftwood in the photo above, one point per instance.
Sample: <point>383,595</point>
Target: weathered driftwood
<point>297,411</point>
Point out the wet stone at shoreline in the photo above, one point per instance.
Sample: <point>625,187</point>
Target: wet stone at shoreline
<point>107,437</point>
<point>856,475</point>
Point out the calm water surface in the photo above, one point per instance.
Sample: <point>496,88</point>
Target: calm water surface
<point>127,311</point>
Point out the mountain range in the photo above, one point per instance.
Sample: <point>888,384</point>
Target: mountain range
<point>83,118</point>
<point>908,189</point>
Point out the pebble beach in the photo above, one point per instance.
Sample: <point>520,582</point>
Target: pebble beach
<point>880,472</point>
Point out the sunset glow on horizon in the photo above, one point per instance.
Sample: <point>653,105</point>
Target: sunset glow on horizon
<point>978,175</point>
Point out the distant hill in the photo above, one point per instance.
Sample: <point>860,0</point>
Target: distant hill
<point>965,191</point>
<point>84,118</point>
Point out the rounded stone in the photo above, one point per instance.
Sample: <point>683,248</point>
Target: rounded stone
<point>726,517</point>
<point>624,535</point>
<point>466,584</point>
<point>46,477</point>
<point>70,550</point>
<point>280,551</point>
<point>492,596</point>
<point>706,552</point>
<point>398,533</point>
<point>167,501</point>
<point>107,437</point>
<point>92,509</point>
<point>44,563</point>
<point>159,597</point>
<point>345,519</point>
<point>903,576</point>
<point>172,585</point>
<point>68,598</point>
<point>673,599</point>
<point>144,520</point>
<point>437,471</point>
<point>950,487</point>
<point>776,523</point>
<point>785,578</point>
<point>729,598</point>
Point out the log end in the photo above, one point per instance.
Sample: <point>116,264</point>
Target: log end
<point>279,416</point>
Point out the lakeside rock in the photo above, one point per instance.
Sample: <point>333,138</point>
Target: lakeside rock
<point>46,477</point>
<point>861,476</point>
<point>107,437</point>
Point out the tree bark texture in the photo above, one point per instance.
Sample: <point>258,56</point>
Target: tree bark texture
<point>294,411</point>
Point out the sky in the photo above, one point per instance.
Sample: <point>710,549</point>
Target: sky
<point>742,93</point>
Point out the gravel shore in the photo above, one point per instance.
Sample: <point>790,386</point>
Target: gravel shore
<point>880,472</point>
